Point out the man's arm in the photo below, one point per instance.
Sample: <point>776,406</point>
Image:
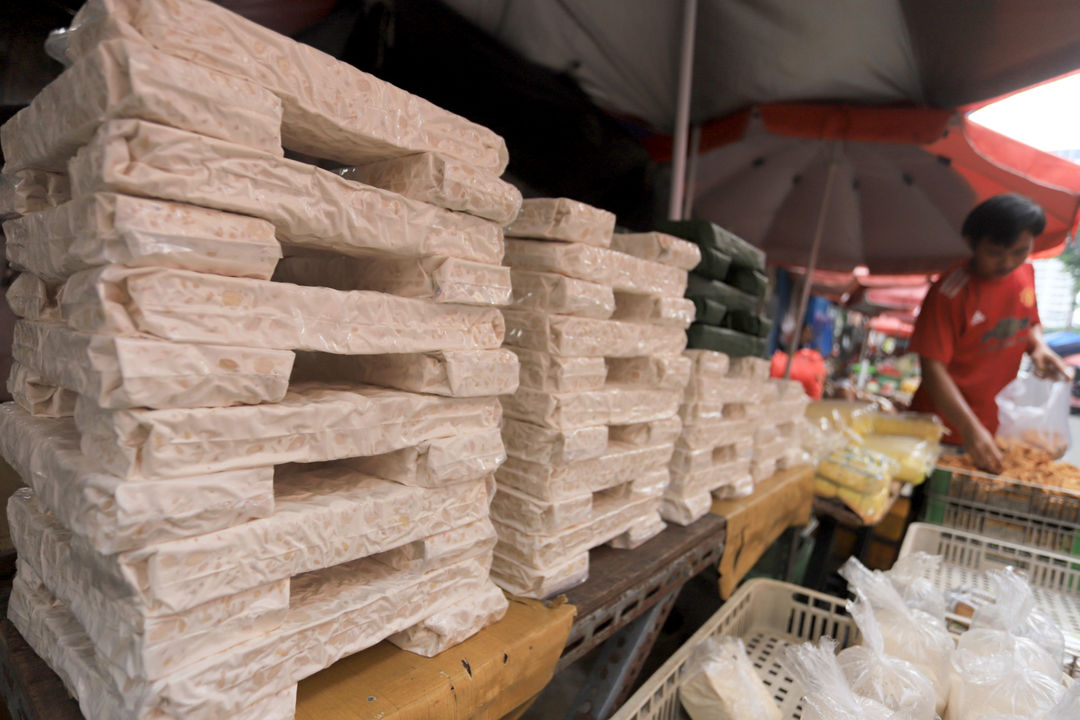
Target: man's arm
<point>1047,362</point>
<point>978,442</point>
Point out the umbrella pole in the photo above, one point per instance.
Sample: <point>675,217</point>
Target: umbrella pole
<point>815,250</point>
<point>691,171</point>
<point>682,112</point>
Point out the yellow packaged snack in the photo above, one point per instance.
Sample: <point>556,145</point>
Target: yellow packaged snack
<point>920,425</point>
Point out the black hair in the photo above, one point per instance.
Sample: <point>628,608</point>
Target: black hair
<point>1002,218</point>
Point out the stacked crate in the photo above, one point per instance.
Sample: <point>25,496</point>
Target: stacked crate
<point>590,431</point>
<point>256,465</point>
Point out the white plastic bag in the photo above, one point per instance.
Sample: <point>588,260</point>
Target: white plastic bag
<point>895,683</point>
<point>828,694</point>
<point>999,684</point>
<point>721,684</point>
<point>1035,412</point>
<point>1013,611</point>
<point>909,577</point>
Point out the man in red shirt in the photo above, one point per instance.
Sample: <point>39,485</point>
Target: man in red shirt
<point>977,322</point>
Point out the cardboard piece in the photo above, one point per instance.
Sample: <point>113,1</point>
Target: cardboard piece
<point>658,247</point>
<point>588,337</point>
<point>563,219</point>
<point>596,264</point>
<point>560,295</point>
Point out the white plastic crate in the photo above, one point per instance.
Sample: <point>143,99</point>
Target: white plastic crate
<point>1055,578</point>
<point>768,615</point>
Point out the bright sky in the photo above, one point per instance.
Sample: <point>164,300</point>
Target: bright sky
<point>1046,117</point>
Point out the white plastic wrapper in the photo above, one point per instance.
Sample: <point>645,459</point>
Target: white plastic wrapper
<point>658,247</point>
<point>749,368</point>
<point>721,391</point>
<point>700,433</point>
<point>619,465</point>
<point>349,116</point>
<point>828,694</point>
<point>446,182</point>
<point>28,191</point>
<point>557,294</point>
<point>654,309</point>
<point>984,646</point>
<point>194,307</point>
<point>708,478</point>
<point>911,574</point>
<point>474,540</point>
<point>58,638</point>
<point>708,364</point>
<point>661,372</point>
<point>596,264</point>
<point>739,486</point>
<point>113,514</point>
<point>639,533</point>
<point>1000,683</point>
<point>588,337</point>
<point>36,395</point>
<point>685,509</point>
<point>552,373</point>
<point>465,456</point>
<point>106,228</point>
<point>790,390</point>
<point>309,207</point>
<point>895,683</point>
<point>1013,611</point>
<point>130,79</point>
<point>32,298</point>
<point>531,515</point>
<point>454,373</point>
<point>525,581</point>
<point>655,432</point>
<point>562,219</point>
<point>438,278</point>
<point>452,626</point>
<point>119,372</point>
<point>555,448</point>
<point>613,405</point>
<point>720,683</point>
<point>686,462</point>
<point>312,423</point>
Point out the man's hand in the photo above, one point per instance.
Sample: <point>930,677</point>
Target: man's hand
<point>980,445</point>
<point>1047,363</point>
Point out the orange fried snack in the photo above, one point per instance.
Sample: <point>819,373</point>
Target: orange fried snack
<point>1025,463</point>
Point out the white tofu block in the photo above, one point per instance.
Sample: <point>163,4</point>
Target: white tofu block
<point>639,533</point>
<point>685,510</point>
<point>308,206</point>
<point>655,432</point>
<point>562,219</point>
<point>524,581</point>
<point>654,309</point>
<point>452,626</point>
<point>120,372</point>
<point>531,515</point>
<point>708,364</point>
<point>475,540</point>
<point>596,264</point>
<point>313,423</point>
<point>443,181</point>
<point>465,456</point>
<point>560,295</point>
<point>28,191</point>
<point>32,298</point>
<point>610,406</point>
<point>454,373</point>
<point>439,278</point>
<point>553,373</point>
<point>619,465</point>
<point>660,372</point>
<point>658,247</point>
<point>114,514</point>
<point>36,395</point>
<point>348,116</point>
<point>750,368</point>
<point>588,337</point>
<point>130,79</point>
<point>106,228</point>
<point>556,448</point>
<point>194,307</point>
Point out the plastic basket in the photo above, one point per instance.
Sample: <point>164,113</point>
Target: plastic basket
<point>1054,577</point>
<point>768,615</point>
<point>999,507</point>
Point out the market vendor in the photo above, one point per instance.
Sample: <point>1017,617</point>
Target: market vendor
<point>976,323</point>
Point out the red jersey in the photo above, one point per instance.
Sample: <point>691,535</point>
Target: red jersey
<point>977,327</point>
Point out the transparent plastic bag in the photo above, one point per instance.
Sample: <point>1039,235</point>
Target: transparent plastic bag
<point>1035,411</point>
<point>873,674</point>
<point>909,577</point>
<point>1002,683</point>
<point>721,684</point>
<point>1014,612</point>
<point>828,694</point>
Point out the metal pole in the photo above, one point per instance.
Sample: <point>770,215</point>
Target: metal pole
<point>682,111</point>
<point>691,171</point>
<point>815,249</point>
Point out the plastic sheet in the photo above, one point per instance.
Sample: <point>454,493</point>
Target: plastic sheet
<point>863,471</point>
<point>563,219</point>
<point>610,406</point>
<point>446,182</point>
<point>528,582</point>
<point>828,694</point>
<point>466,456</point>
<point>28,191</point>
<point>622,272</point>
<point>1013,611</point>
<point>449,627</point>
<point>619,465</point>
<point>438,278</point>
<point>869,506</point>
<point>532,515</point>
<point>473,540</point>
<point>118,372</point>
<point>130,79</point>
<point>655,432</point>
<point>106,228</point>
<point>194,307</point>
<point>658,247</point>
<point>309,207</point>
<point>556,448</point>
<point>32,298</point>
<point>654,309</point>
<point>312,423</point>
<point>720,391</point>
<point>915,457</point>
<point>999,683</point>
<point>1035,411</point>
<point>454,373</point>
<point>552,373</point>
<point>587,337</point>
<point>684,462</point>
<point>685,509</point>
<point>698,434</point>
<point>348,116</point>
<point>739,486</point>
<point>560,295</point>
<point>661,372</point>
<point>708,364</point>
<point>720,683</point>
<point>113,514</point>
<point>36,395</point>
<point>710,477</point>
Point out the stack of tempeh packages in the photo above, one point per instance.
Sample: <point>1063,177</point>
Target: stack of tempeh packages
<point>272,463</point>
<point>598,324</point>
